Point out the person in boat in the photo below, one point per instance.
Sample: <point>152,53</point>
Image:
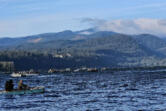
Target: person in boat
<point>22,86</point>
<point>9,86</point>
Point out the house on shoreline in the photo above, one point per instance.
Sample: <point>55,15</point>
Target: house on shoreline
<point>6,66</point>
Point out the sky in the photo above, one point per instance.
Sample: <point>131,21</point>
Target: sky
<point>28,17</point>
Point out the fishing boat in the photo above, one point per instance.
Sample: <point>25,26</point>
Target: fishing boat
<point>17,75</point>
<point>35,90</point>
<point>22,74</point>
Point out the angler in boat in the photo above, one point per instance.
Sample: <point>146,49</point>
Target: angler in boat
<point>22,88</point>
<point>9,86</point>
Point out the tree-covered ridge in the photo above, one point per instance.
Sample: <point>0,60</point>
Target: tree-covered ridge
<point>76,49</point>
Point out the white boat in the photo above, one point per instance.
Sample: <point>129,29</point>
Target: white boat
<point>17,75</point>
<point>39,89</point>
<point>22,74</point>
<point>31,74</point>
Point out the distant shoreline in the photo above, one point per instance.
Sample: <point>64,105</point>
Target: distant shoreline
<point>90,70</point>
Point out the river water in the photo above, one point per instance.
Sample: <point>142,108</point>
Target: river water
<point>115,91</point>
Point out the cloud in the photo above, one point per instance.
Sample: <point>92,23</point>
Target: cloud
<point>134,26</point>
<point>95,22</point>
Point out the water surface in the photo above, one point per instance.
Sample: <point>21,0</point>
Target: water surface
<point>115,91</point>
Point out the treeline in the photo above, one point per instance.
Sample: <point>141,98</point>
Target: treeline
<point>24,60</point>
<point>60,59</point>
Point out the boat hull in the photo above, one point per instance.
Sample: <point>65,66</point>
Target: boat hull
<point>22,75</point>
<point>20,92</point>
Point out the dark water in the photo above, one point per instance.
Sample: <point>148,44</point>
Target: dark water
<point>117,91</point>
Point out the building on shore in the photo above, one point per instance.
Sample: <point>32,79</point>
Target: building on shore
<point>6,66</point>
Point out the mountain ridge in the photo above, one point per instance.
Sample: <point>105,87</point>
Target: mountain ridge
<point>99,48</point>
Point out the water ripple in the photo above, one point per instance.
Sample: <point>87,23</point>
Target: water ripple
<point>118,91</point>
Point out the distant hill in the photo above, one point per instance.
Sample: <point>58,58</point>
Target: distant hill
<point>84,48</point>
<point>151,41</point>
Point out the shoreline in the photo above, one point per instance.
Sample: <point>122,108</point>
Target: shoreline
<point>85,69</point>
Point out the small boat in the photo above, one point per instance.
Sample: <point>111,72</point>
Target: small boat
<point>22,74</point>
<point>31,74</point>
<point>35,90</point>
<point>17,75</point>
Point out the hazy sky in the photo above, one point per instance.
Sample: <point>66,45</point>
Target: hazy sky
<point>27,17</point>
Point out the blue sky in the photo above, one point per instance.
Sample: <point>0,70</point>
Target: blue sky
<point>27,17</point>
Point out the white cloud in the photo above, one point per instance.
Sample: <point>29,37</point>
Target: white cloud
<point>135,26</point>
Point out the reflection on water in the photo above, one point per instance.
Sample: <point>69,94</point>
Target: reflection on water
<point>80,92</point>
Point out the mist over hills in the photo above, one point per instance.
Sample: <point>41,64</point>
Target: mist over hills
<point>88,48</point>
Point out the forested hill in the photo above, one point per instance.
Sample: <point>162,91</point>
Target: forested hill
<point>83,48</point>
